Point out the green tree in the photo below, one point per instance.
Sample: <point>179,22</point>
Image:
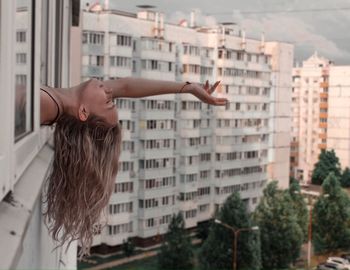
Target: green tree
<point>280,234</point>
<point>300,207</point>
<point>217,251</point>
<point>128,247</point>
<point>176,250</point>
<point>331,218</point>
<point>203,229</point>
<point>345,178</point>
<point>327,162</point>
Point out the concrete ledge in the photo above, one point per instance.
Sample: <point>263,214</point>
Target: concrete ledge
<point>16,211</point>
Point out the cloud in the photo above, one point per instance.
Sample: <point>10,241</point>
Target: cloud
<point>200,18</point>
<point>283,27</point>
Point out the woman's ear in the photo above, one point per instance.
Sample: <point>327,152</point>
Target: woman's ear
<point>83,113</point>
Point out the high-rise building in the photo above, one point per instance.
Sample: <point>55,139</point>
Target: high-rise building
<point>180,154</point>
<point>315,126</point>
<point>309,110</point>
<point>338,129</point>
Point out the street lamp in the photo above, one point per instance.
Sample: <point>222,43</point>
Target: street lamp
<point>236,233</point>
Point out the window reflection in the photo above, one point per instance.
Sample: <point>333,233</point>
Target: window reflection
<point>23,68</point>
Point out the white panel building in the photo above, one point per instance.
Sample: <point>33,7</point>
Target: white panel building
<point>180,154</point>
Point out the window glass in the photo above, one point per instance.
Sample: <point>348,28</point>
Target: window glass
<point>23,68</point>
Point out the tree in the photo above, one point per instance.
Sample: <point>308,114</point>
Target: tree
<point>345,178</point>
<point>300,207</point>
<point>327,162</point>
<point>217,251</point>
<point>176,250</point>
<point>280,234</point>
<point>203,229</point>
<point>331,217</point>
<point>128,247</point>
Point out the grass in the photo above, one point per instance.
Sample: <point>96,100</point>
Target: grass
<point>150,263</point>
<point>144,264</point>
<point>101,260</point>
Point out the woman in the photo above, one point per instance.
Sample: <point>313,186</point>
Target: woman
<point>87,146</point>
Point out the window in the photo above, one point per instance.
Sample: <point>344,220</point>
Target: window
<point>120,228</point>
<point>123,40</point>
<point>35,51</point>
<point>96,38</point>
<point>23,50</point>
<point>21,35</point>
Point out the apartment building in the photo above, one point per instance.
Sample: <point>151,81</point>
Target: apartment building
<point>338,129</point>
<point>320,98</point>
<point>34,51</point>
<point>180,154</point>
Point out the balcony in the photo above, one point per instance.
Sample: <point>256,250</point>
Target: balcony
<point>120,50</point>
<point>119,72</point>
<point>92,71</point>
<point>189,151</point>
<point>322,125</point>
<point>157,75</point>
<point>322,136</point>
<point>156,153</point>
<point>192,77</point>
<point>188,169</point>
<point>93,49</point>
<point>323,105</point>
<point>322,146</point>
<point>153,134</point>
<point>324,95</point>
<point>324,84</point>
<point>156,114</point>
<point>155,173</point>
<point>226,63</point>
<point>189,132</point>
<point>190,114</point>
<point>158,55</point>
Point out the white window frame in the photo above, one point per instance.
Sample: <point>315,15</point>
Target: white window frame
<point>16,156</point>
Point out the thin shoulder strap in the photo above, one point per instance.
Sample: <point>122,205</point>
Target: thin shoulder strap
<point>58,108</point>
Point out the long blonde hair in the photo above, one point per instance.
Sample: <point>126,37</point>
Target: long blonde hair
<point>82,178</point>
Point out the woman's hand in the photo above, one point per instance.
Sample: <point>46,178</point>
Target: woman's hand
<point>204,93</point>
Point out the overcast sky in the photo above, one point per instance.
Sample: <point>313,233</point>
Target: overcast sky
<point>324,25</point>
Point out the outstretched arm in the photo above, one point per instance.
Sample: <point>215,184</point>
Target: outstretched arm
<point>137,87</point>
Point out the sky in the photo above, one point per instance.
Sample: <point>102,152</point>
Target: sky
<point>311,25</point>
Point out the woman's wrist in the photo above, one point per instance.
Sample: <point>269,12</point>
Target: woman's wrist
<point>185,88</point>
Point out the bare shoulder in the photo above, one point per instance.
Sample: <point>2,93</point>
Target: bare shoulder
<point>47,107</point>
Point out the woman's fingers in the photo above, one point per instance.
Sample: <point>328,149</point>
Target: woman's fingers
<point>212,89</point>
<point>220,101</point>
<point>206,86</point>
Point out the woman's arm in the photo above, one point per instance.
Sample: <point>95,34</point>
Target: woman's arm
<point>137,87</point>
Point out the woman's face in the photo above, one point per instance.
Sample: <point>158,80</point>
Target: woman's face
<point>97,98</point>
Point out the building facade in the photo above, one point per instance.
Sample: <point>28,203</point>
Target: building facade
<point>338,129</point>
<point>310,114</point>
<point>34,51</point>
<point>180,154</point>
<point>320,121</point>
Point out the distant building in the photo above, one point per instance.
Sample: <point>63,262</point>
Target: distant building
<point>310,115</point>
<point>180,154</point>
<point>321,114</point>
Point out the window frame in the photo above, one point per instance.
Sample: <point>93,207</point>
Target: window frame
<point>16,156</point>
